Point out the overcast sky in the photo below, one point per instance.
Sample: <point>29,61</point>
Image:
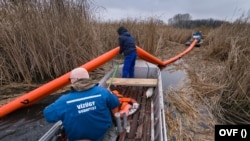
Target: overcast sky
<point>228,10</point>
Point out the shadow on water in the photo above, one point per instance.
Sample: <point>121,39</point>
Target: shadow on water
<point>26,124</point>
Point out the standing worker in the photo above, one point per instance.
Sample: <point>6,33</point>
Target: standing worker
<point>85,111</point>
<point>128,48</point>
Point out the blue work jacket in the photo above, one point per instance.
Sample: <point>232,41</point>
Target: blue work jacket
<point>85,114</point>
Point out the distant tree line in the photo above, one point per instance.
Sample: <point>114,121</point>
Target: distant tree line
<point>185,21</point>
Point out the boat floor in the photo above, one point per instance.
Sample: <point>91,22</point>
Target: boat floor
<point>140,121</point>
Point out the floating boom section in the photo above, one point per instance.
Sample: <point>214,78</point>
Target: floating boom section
<point>60,82</point>
<point>148,57</point>
<point>152,59</point>
<point>171,60</point>
<point>54,85</point>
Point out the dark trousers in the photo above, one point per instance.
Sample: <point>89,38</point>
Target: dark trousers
<point>129,65</point>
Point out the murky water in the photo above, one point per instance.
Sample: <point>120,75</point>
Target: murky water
<point>28,124</point>
<point>171,76</point>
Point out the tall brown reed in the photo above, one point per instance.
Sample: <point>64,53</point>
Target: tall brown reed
<point>41,40</point>
<point>230,43</point>
<point>44,39</point>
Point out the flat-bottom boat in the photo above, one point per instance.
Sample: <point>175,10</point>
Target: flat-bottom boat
<point>147,123</point>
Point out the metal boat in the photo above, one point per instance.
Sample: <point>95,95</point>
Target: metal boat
<point>148,121</point>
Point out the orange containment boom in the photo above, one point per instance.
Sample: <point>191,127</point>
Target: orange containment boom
<point>54,85</point>
<point>58,83</point>
<point>150,58</point>
<point>171,60</point>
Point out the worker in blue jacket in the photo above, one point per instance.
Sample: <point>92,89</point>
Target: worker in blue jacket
<point>197,35</point>
<point>128,48</point>
<point>85,111</point>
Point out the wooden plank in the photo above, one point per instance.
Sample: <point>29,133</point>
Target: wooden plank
<point>135,116</point>
<point>132,81</point>
<point>147,132</point>
<point>139,132</point>
<point>140,121</point>
<point>140,129</point>
<point>122,135</point>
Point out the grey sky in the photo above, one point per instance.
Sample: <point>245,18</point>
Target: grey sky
<point>164,9</point>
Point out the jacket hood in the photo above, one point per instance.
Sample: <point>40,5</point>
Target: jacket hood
<point>83,84</point>
<point>121,29</point>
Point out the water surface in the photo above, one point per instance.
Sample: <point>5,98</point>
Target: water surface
<point>26,124</point>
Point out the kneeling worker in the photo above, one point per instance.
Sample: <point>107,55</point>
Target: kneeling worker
<point>85,111</point>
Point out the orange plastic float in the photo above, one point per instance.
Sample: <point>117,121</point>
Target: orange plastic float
<point>127,105</point>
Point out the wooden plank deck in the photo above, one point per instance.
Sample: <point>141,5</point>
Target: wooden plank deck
<point>140,121</point>
<point>132,82</point>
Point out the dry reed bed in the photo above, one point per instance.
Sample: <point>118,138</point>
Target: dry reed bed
<point>39,42</point>
<point>189,105</point>
<point>218,90</point>
<point>234,101</point>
